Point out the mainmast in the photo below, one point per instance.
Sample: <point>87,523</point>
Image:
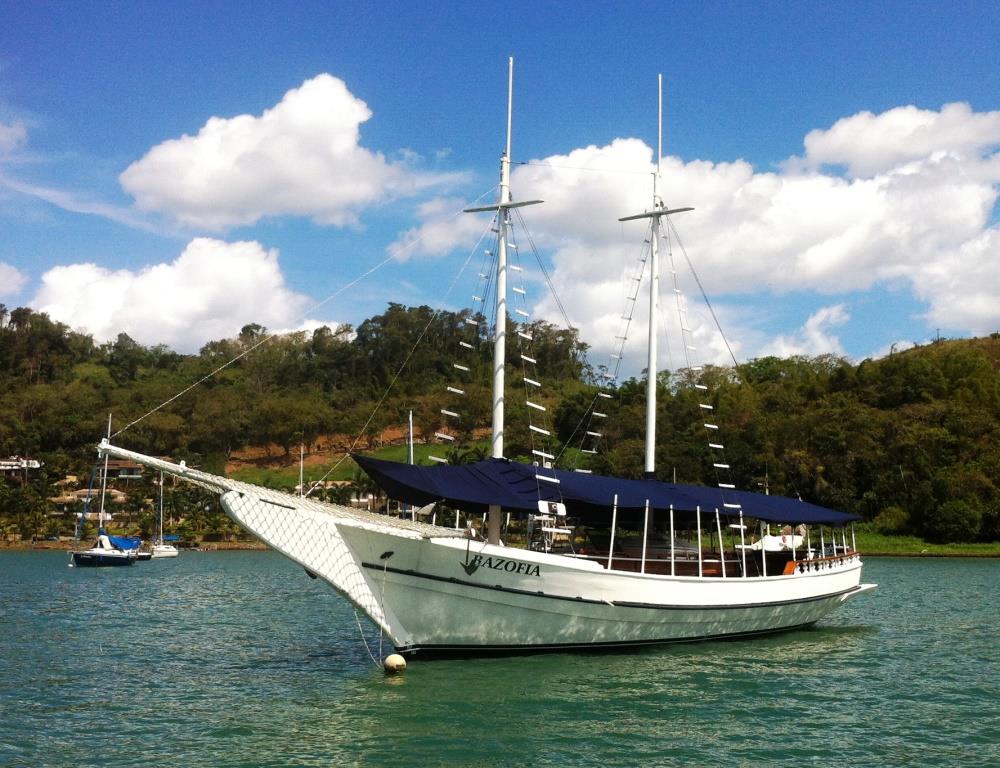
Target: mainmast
<point>502,207</point>
<point>659,210</point>
<point>500,329</point>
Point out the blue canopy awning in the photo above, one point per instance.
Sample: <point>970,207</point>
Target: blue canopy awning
<point>125,542</point>
<point>516,486</point>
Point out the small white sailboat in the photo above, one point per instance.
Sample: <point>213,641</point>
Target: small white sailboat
<point>162,549</point>
<point>433,589</point>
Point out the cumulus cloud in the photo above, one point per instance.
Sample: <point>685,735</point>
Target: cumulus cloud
<point>209,292</point>
<point>915,210</point>
<point>900,345</point>
<point>906,198</point>
<point>302,157</point>
<point>12,280</point>
<point>869,144</point>
<point>444,228</point>
<point>308,327</point>
<point>813,338</point>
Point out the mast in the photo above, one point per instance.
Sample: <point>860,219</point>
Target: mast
<point>409,457</point>
<point>161,507</point>
<point>502,208</point>
<point>659,210</point>
<point>104,484</point>
<point>654,301</point>
<point>500,330</point>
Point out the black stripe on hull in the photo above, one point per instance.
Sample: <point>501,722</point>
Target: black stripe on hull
<point>96,561</point>
<point>614,603</point>
<point>467,651</point>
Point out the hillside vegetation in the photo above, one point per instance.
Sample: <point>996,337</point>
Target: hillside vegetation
<point>909,442</point>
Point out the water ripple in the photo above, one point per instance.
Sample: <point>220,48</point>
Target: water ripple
<point>238,659</point>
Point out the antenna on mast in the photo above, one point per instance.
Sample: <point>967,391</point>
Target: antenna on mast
<point>659,124</point>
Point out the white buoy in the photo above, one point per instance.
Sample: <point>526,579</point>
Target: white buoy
<point>394,664</point>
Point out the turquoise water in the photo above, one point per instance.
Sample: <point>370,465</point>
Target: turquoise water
<point>239,659</point>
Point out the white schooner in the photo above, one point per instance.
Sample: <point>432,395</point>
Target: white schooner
<point>704,565</point>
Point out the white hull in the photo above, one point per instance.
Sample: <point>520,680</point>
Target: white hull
<point>449,594</point>
<point>164,550</point>
<point>433,590</point>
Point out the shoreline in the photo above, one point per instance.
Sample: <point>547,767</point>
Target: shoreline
<point>66,546</point>
<point>257,546</point>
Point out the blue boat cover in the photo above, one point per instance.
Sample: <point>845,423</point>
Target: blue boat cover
<point>125,542</point>
<point>515,486</point>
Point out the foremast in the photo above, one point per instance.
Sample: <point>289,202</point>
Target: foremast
<point>502,209</point>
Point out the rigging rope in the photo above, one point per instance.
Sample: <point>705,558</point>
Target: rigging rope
<point>267,337</point>
<point>545,273</point>
<point>399,372</point>
<point>244,353</point>
<point>365,639</point>
<point>579,168</point>
<point>704,295</point>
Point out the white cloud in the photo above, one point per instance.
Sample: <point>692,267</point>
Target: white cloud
<point>813,338</point>
<point>302,157</point>
<point>900,345</point>
<point>209,292</point>
<point>308,326</point>
<point>869,144</point>
<point>962,287</point>
<point>12,280</point>
<point>444,228</point>
<point>69,201</point>
<point>915,213</point>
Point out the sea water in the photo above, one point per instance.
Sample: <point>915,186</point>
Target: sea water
<point>240,659</point>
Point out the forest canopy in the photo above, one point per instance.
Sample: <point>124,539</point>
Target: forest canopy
<point>911,442</point>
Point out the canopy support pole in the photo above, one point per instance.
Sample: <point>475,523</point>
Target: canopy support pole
<point>743,544</point>
<point>763,550</point>
<point>697,511</point>
<point>614,523</point>
<point>645,531</point>
<point>722,546</point>
<point>673,571</point>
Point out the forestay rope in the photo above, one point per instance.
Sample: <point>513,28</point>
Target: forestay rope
<point>267,337</point>
<point>401,368</point>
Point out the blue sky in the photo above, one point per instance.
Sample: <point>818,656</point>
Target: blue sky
<point>842,159</point>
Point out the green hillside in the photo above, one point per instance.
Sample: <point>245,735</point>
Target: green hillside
<point>909,442</point>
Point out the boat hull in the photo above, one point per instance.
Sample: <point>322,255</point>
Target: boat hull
<point>88,559</point>
<point>163,551</point>
<point>517,601</point>
<point>448,595</point>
